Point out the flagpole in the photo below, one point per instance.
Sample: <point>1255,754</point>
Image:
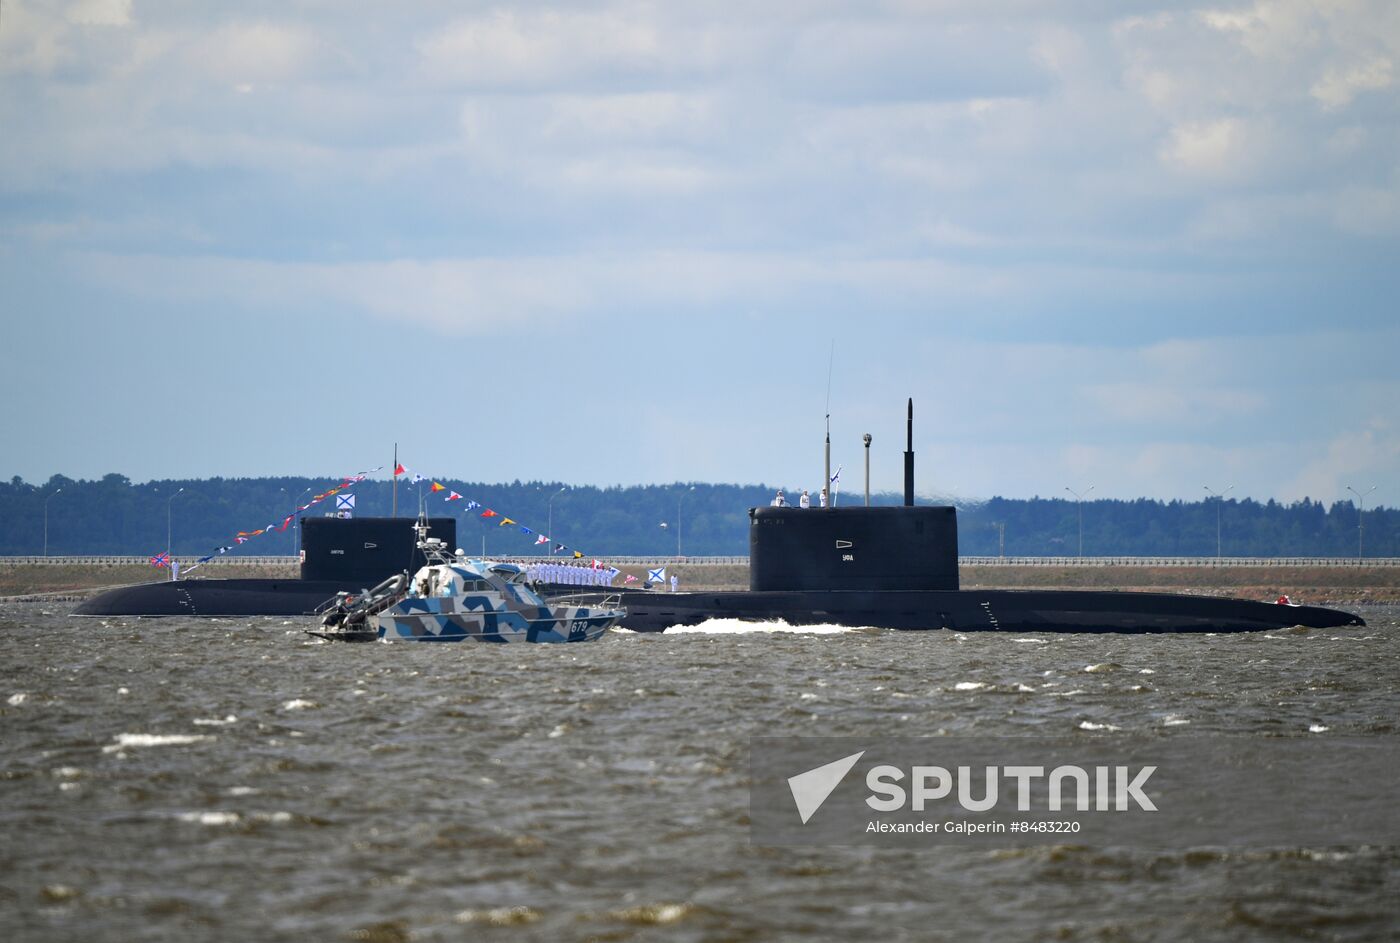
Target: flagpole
<point>395,476</point>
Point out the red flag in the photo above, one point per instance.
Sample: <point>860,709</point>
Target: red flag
<point>399,470</point>
<point>454,496</point>
<point>488,513</point>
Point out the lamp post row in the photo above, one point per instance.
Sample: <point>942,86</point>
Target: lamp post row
<point>1079,500</point>
<point>1360,518</point>
<point>1219,500</point>
<point>679,499</point>
<point>169,504</point>
<point>46,520</point>
<point>550,525</point>
<point>1079,496</point>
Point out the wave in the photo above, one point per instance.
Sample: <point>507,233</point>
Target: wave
<point>738,627</point>
<point>128,740</point>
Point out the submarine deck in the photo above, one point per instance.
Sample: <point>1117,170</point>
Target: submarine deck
<point>980,610</point>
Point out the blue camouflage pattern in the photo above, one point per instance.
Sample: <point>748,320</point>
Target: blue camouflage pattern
<point>482,601</point>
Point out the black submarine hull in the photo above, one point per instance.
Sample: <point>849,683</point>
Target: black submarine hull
<point>338,555</point>
<point>897,568</point>
<point>215,598</point>
<point>979,611</point>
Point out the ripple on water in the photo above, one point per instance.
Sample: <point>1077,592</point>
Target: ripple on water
<point>422,796</point>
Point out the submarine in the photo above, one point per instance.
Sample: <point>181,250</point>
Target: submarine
<point>878,567</point>
<point>897,568</point>
<point>339,555</point>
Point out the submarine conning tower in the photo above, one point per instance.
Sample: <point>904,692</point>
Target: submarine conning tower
<point>366,548</point>
<point>856,548</point>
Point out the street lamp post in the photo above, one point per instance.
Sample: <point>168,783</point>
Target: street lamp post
<point>678,519</point>
<point>46,520</point>
<point>1219,500</point>
<point>168,519</point>
<point>550,525</point>
<point>1079,499</point>
<point>297,535</point>
<point>1360,517</point>
<point>290,536</point>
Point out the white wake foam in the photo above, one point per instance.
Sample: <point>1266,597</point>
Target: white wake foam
<point>738,627</point>
<point>128,740</point>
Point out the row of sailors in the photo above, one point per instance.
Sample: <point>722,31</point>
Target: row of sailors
<point>572,575</point>
<point>780,501</point>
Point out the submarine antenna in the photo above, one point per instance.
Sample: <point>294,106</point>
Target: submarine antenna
<point>826,476</point>
<point>395,477</point>
<point>909,460</point>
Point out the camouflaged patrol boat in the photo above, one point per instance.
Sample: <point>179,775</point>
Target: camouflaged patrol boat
<point>454,599</point>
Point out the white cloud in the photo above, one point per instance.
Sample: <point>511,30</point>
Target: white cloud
<point>1176,403</point>
<point>629,143</point>
<point>253,52</point>
<point>1212,148</point>
<point>1355,456</point>
<point>100,12</point>
<point>1338,87</point>
<point>951,174</point>
<point>511,49</point>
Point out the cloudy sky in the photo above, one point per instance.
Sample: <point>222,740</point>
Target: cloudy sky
<point>1135,245</point>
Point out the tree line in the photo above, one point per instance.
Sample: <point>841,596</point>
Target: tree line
<point>111,515</point>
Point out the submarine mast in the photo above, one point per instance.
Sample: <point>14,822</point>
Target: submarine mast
<point>909,460</point>
<point>826,477</point>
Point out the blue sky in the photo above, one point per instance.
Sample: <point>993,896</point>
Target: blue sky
<point>1140,246</point>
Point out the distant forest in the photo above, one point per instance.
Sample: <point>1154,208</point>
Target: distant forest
<point>114,516</point>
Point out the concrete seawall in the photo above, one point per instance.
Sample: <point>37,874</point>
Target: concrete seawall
<point>1312,581</point>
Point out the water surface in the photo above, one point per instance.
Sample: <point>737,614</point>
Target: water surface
<point>201,779</point>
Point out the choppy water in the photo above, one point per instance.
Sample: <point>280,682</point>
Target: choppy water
<point>176,780</point>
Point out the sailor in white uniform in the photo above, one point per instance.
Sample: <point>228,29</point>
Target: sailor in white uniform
<point>805,501</point>
<point>823,497</point>
<point>779,501</point>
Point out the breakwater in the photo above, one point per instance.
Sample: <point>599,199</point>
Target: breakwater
<point>1317,580</point>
